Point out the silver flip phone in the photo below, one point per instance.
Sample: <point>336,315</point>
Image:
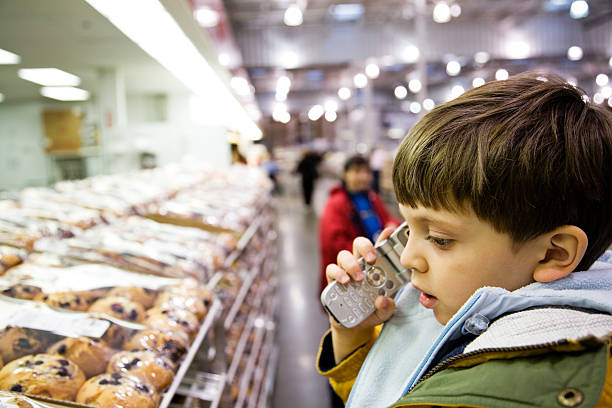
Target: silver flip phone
<point>350,304</point>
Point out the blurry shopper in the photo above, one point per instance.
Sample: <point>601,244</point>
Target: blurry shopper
<point>307,167</point>
<point>353,209</point>
<point>378,158</point>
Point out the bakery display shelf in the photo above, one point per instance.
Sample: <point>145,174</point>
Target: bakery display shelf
<point>260,370</point>
<point>270,378</point>
<point>253,273</point>
<point>240,348</point>
<point>203,387</point>
<point>270,362</point>
<point>243,242</point>
<point>213,312</point>
<point>262,343</point>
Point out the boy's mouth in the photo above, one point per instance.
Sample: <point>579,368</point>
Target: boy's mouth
<point>427,300</point>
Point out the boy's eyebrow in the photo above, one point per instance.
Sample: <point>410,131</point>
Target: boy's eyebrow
<point>423,219</point>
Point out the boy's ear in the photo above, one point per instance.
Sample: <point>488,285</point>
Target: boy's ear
<point>563,250</point>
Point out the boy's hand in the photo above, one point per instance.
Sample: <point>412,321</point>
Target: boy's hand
<point>346,340</point>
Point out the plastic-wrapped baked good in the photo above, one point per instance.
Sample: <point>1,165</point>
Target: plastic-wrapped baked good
<point>17,342</point>
<point>173,320</point>
<point>117,390</point>
<point>171,301</point>
<point>169,345</point>
<point>147,366</point>
<point>91,355</point>
<point>21,291</point>
<point>119,307</point>
<point>42,374</point>
<point>11,400</point>
<point>64,300</point>
<point>143,296</point>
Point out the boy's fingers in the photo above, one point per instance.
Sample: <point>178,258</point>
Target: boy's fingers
<point>349,263</point>
<point>335,273</point>
<point>384,234</point>
<point>385,307</point>
<point>363,247</point>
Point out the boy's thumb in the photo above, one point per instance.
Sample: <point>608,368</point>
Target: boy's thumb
<point>384,308</point>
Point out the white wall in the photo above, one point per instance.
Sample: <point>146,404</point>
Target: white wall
<point>173,136</point>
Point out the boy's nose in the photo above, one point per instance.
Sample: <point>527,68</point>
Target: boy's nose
<point>411,259</point>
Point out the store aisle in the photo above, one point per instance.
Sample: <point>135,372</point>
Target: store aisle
<point>301,319</point>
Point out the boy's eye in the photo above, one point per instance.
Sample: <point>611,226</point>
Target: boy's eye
<point>441,242</point>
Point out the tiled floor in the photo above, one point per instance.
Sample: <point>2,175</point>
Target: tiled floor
<point>302,321</point>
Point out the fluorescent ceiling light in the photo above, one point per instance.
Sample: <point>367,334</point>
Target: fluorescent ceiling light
<point>331,116</point>
<point>574,53</point>
<point>347,12</point>
<point>400,92</point>
<point>579,9</point>
<point>344,93</point>
<point>442,13</point>
<point>64,93</point>
<point>207,17</point>
<point>49,77</point>
<point>293,16</point>
<point>152,28</point>
<point>7,57</point>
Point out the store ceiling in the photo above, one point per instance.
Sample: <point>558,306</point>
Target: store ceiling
<point>72,36</point>
<point>329,52</point>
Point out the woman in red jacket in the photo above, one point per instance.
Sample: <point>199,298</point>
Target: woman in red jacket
<point>353,209</point>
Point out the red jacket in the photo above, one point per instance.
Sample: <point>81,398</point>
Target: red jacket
<point>340,225</point>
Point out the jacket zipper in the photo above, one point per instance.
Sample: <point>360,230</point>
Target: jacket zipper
<point>449,361</point>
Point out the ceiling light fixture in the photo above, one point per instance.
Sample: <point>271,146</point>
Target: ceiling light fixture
<point>331,116</point>
<point>606,91</point>
<point>224,59</point>
<point>360,80</point>
<point>602,80</point>
<point>415,107</point>
<point>49,77</point>
<point>411,54</point>
<point>315,112</point>
<point>518,49</point>
<point>152,28</point>
<point>579,9</point>
<point>8,58</point>
<point>428,104</point>
<point>331,105</point>
<point>478,81</point>
<point>574,53</point>
<point>456,91</point>
<point>441,13</point>
<point>415,85</point>
<point>293,16</point>
<point>598,98</point>
<point>482,57</point>
<point>207,17</point>
<point>347,12</point>
<point>344,93</point>
<point>372,70</point>
<point>453,68</point>
<point>64,93</point>
<point>501,74</point>
<point>455,10</point>
<point>400,92</point>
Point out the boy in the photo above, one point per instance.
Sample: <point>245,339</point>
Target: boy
<point>353,209</point>
<point>507,192</point>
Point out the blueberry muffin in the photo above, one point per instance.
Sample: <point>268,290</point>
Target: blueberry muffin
<point>170,345</point>
<point>143,296</point>
<point>147,366</point>
<point>174,320</point>
<point>117,390</point>
<point>91,355</point>
<point>64,300</point>
<point>170,300</point>
<point>42,374</point>
<point>119,307</point>
<point>21,291</point>
<point>17,342</point>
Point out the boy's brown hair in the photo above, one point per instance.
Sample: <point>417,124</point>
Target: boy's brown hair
<point>528,154</point>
